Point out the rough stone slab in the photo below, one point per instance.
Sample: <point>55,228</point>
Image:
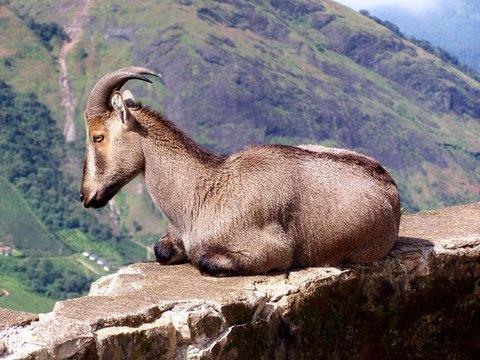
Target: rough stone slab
<point>14,320</point>
<point>148,341</point>
<point>10,318</point>
<point>106,311</point>
<point>449,228</point>
<point>152,279</point>
<point>422,300</point>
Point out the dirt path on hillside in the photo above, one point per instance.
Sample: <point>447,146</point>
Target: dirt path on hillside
<point>74,31</point>
<point>88,266</point>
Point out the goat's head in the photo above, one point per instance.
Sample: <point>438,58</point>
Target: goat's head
<point>113,154</point>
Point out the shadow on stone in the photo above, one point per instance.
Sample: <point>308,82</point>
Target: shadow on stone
<point>412,243</point>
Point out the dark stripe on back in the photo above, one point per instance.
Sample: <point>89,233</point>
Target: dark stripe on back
<point>372,167</point>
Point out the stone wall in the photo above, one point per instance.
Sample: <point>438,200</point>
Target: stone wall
<point>422,301</point>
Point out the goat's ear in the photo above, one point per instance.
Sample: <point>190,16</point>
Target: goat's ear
<point>128,98</point>
<point>121,109</point>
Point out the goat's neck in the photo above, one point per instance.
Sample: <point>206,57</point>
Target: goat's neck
<point>174,168</point>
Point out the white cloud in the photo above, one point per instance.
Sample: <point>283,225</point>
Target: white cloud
<point>413,6</point>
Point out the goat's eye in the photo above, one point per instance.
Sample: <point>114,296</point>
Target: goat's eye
<point>97,138</point>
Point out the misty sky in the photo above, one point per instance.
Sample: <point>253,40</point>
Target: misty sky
<point>413,6</point>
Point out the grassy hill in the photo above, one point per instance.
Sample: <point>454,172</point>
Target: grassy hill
<point>21,229</point>
<point>21,226</point>
<point>22,298</point>
<point>25,63</point>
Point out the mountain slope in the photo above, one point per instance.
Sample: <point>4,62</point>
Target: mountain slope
<point>238,72</point>
<point>25,63</point>
<point>289,71</point>
<point>21,298</point>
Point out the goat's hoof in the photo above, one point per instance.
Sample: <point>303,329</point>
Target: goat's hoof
<point>208,267</point>
<point>215,265</point>
<point>164,251</point>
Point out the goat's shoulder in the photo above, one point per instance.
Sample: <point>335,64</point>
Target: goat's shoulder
<point>263,156</point>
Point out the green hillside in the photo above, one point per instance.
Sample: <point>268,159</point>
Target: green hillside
<point>34,283</point>
<point>25,63</point>
<point>20,226</point>
<point>22,298</point>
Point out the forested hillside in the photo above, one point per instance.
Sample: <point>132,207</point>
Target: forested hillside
<point>234,73</point>
<point>39,208</point>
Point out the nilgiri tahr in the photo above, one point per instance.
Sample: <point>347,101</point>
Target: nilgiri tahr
<point>265,208</point>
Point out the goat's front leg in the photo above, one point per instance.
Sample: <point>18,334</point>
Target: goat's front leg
<point>246,252</point>
<point>170,249</point>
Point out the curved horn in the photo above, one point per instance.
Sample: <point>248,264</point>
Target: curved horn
<point>99,99</point>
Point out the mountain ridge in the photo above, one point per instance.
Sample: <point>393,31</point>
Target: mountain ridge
<point>452,25</point>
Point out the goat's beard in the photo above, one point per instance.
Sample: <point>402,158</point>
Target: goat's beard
<point>104,195</point>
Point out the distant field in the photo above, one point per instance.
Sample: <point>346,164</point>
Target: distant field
<point>90,268</point>
<point>79,242</point>
<point>17,219</point>
<point>79,264</point>
<point>125,251</point>
<point>21,298</point>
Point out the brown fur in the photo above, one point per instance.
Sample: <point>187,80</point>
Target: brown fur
<point>369,165</point>
<point>266,208</point>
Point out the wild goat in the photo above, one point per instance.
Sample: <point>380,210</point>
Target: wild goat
<point>265,208</point>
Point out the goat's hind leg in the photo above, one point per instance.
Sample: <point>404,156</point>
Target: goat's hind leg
<point>250,251</point>
<point>170,249</point>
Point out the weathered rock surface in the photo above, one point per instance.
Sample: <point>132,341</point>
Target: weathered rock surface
<point>9,318</point>
<point>422,301</point>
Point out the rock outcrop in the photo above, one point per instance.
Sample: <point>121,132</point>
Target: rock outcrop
<point>423,300</point>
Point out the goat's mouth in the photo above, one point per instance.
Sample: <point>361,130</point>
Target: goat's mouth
<point>101,197</point>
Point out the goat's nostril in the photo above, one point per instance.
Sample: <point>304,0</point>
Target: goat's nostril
<point>81,197</point>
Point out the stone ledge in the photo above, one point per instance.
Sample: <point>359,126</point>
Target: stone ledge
<point>10,318</point>
<point>422,300</point>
